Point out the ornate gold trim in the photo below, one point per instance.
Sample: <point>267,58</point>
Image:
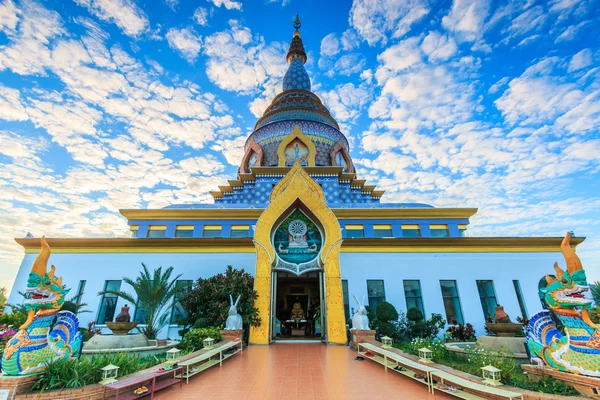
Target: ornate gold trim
<point>297,189</point>
<point>254,213</point>
<point>297,134</point>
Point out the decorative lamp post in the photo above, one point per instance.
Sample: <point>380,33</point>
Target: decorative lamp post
<point>386,342</point>
<point>173,355</point>
<point>491,375</point>
<point>425,355</point>
<point>208,343</point>
<point>109,374</point>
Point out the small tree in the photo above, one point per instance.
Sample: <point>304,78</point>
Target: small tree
<point>154,292</point>
<point>208,300</point>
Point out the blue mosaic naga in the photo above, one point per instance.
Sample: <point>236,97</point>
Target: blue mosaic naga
<point>48,334</point>
<point>577,350</point>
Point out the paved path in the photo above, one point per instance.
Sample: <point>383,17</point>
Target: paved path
<point>298,371</point>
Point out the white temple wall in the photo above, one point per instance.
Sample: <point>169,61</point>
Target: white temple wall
<point>465,268</point>
<point>357,268</point>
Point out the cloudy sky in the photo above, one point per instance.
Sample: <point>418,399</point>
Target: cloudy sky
<point>108,104</point>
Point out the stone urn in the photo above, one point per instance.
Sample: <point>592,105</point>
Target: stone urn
<point>507,329</point>
<point>500,315</point>
<point>121,328</point>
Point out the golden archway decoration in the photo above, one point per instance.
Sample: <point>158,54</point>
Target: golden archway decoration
<point>297,134</point>
<point>298,188</point>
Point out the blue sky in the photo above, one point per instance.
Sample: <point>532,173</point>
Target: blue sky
<point>108,104</point>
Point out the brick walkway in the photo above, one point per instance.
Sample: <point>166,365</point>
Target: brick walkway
<point>298,371</point>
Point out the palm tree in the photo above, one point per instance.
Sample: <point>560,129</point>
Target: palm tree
<point>595,287</point>
<point>154,292</point>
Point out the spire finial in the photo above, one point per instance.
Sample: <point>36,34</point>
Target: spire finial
<point>297,23</point>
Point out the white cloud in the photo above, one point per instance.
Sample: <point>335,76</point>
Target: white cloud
<point>201,16</point>
<point>580,60</point>
<point>9,16</point>
<point>346,102</point>
<point>11,108</point>
<point>123,13</point>
<point>185,42</point>
<point>438,47</point>
<point>205,165</point>
<point>228,4</point>
<point>350,39</point>
<point>239,62</point>
<point>466,19</point>
<point>232,149</point>
<point>374,20</point>
<point>571,32</point>
<point>330,45</point>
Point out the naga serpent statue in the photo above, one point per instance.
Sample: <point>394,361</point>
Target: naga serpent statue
<point>48,334</point>
<point>577,350</point>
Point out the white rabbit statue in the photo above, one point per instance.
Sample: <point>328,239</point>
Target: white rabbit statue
<point>360,321</point>
<point>234,320</point>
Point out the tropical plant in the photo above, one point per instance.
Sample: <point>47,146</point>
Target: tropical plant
<point>73,373</point>
<point>595,289</point>
<point>461,332</point>
<point>209,299</point>
<point>3,297</point>
<point>153,293</point>
<point>75,307</point>
<point>193,339</point>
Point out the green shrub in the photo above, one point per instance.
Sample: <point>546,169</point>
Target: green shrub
<point>15,318</point>
<point>73,373</point>
<point>386,312</point>
<point>414,314</point>
<point>69,306</point>
<point>192,340</point>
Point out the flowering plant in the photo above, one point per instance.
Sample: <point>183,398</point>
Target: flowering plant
<point>462,333</point>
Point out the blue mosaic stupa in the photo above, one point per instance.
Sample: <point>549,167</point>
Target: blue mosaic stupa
<point>297,127</point>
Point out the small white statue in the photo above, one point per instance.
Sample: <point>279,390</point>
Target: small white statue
<point>360,321</point>
<point>234,320</point>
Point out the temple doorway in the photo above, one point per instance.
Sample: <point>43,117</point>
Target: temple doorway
<point>297,306</point>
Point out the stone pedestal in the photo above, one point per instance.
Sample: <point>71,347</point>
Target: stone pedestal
<point>228,336</point>
<point>13,385</point>
<point>500,344</point>
<point>586,385</point>
<point>359,337</point>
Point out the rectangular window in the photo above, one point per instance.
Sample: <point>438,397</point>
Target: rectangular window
<point>411,231</point>
<point>134,230</point>
<point>140,314</point>
<point>413,295</point>
<point>522,305</point>
<point>355,231</point>
<point>462,230</point>
<point>108,303</point>
<point>439,231</point>
<point>184,231</point>
<point>451,302</point>
<point>79,293</point>
<point>240,231</point>
<point>157,231</point>
<point>177,312</point>
<point>487,295</point>
<point>382,231</point>
<point>376,292</point>
<point>346,299</point>
<point>211,231</point>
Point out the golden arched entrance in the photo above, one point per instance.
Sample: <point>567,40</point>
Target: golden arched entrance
<point>298,190</point>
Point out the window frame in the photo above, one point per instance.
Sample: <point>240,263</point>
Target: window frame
<point>80,290</point>
<point>346,299</point>
<point>460,314</point>
<point>487,297</point>
<point>355,228</point>
<point>104,297</point>
<point>462,230</point>
<point>212,228</point>
<point>184,228</point>
<point>377,228</point>
<point>156,228</point>
<point>410,228</point>
<point>439,228</point>
<point>134,231</point>
<point>375,297</point>
<point>177,300</point>
<point>239,228</point>
<point>419,297</point>
<point>520,299</point>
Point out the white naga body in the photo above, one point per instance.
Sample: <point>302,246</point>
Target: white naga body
<point>360,321</point>
<point>234,320</point>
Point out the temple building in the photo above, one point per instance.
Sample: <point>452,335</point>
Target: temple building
<point>314,235</point>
